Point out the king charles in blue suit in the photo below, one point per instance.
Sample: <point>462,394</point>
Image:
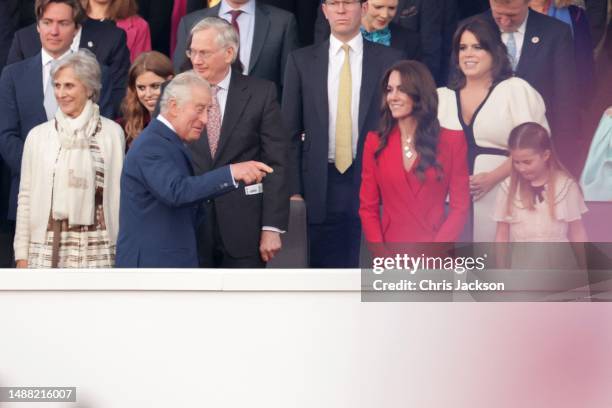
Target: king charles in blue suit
<point>160,195</point>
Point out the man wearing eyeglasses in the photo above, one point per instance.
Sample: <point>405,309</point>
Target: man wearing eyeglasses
<point>330,101</point>
<point>242,228</point>
<point>267,35</point>
<point>424,18</point>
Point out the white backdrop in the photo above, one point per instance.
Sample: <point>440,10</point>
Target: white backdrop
<point>291,339</point>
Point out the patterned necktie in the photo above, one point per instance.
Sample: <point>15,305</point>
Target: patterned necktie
<point>50,103</point>
<point>213,128</point>
<point>511,46</point>
<point>344,124</point>
<point>235,14</point>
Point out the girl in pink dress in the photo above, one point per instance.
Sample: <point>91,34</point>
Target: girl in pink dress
<point>539,203</point>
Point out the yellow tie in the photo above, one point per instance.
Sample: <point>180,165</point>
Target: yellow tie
<point>213,3</point>
<point>344,124</point>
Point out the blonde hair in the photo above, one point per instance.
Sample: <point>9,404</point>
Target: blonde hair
<point>533,136</point>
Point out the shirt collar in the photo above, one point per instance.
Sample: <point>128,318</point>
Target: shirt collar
<point>224,83</point>
<point>356,44</point>
<point>46,57</point>
<point>248,8</point>
<point>521,29</point>
<point>76,42</point>
<point>166,122</point>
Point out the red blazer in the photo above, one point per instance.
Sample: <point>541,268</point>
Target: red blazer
<point>414,211</point>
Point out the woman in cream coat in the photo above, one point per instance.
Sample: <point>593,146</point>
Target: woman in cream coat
<point>486,102</point>
<point>68,205</point>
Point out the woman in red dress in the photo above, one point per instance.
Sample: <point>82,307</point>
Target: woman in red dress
<point>411,165</point>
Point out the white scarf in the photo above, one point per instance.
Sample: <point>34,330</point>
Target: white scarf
<point>74,183</point>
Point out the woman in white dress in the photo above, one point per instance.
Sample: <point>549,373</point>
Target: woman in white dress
<point>68,205</point>
<point>486,102</point>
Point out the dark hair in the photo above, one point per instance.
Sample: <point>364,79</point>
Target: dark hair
<point>489,38</point>
<point>134,114</point>
<point>417,83</point>
<point>531,135</point>
<point>118,9</point>
<point>78,12</point>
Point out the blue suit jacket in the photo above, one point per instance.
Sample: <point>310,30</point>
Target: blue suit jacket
<point>160,197</point>
<point>22,108</point>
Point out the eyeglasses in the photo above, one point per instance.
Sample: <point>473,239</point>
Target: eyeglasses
<point>204,55</point>
<point>345,3</point>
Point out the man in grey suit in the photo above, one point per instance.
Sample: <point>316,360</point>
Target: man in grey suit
<point>267,36</point>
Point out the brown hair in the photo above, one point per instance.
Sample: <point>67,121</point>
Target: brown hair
<point>118,9</point>
<point>135,115</point>
<point>417,83</point>
<point>533,136</point>
<point>490,40</point>
<point>78,13</point>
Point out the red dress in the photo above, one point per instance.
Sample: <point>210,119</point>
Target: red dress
<point>414,211</point>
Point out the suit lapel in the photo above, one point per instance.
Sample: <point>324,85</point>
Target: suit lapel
<point>405,183</point>
<point>370,70</point>
<point>319,75</point>
<point>529,48</point>
<point>34,87</point>
<point>88,39</point>
<point>260,32</point>
<point>173,138</point>
<point>237,98</point>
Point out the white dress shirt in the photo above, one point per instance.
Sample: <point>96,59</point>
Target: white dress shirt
<point>336,60</point>
<point>519,38</point>
<point>76,41</point>
<point>46,66</point>
<point>246,22</point>
<point>222,92</point>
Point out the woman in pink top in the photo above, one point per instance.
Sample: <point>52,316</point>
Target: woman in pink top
<point>124,13</point>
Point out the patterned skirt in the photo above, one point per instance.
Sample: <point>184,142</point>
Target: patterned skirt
<point>79,246</point>
<point>67,246</point>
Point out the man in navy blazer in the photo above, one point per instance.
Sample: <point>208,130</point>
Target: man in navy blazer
<point>105,40</point>
<point>22,91</point>
<point>160,195</point>
<point>545,54</point>
<point>310,98</point>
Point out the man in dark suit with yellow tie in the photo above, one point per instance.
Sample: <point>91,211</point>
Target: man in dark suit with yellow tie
<point>330,101</point>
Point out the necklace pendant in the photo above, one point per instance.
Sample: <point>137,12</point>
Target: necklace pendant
<point>408,153</point>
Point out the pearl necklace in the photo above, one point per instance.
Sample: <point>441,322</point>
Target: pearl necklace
<point>407,150</point>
